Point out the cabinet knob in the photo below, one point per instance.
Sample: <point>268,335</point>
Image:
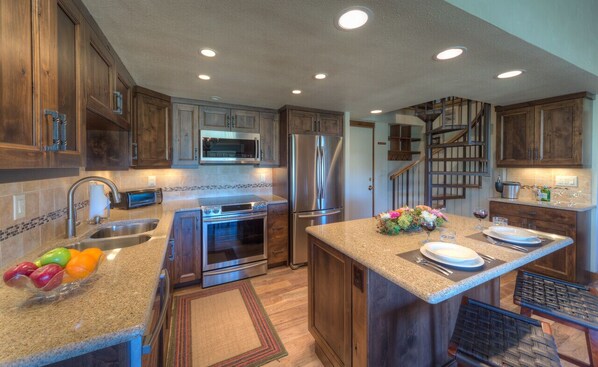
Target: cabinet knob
<point>171,243</point>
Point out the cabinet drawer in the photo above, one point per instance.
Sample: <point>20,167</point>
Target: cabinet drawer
<point>532,212</point>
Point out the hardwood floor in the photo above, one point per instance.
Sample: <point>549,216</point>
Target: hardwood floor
<point>283,292</point>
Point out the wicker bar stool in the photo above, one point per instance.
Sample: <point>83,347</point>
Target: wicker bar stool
<point>567,303</point>
<point>485,335</point>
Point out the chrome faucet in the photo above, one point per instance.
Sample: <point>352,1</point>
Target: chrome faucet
<point>71,215</point>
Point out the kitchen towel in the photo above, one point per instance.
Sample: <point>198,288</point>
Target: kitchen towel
<point>98,202</point>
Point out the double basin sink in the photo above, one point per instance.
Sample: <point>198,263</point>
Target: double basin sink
<point>118,235</point>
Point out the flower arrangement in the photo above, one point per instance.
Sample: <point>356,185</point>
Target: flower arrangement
<point>408,219</point>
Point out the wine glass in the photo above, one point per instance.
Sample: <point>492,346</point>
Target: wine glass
<point>428,226</point>
<point>480,213</point>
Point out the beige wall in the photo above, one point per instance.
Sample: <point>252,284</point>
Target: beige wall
<point>46,196</point>
<point>547,177</point>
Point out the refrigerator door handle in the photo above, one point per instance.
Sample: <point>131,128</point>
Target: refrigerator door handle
<point>318,173</point>
<point>322,174</point>
<point>306,216</point>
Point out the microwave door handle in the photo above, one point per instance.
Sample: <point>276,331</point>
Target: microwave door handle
<point>258,156</point>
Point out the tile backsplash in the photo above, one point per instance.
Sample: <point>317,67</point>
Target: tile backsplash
<point>45,210</point>
<point>547,177</point>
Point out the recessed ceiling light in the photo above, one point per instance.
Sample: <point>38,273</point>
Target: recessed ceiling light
<point>203,77</point>
<point>320,76</point>
<point>352,18</point>
<point>509,74</point>
<point>376,111</point>
<point>215,98</point>
<point>450,53</point>
<point>296,91</point>
<point>208,52</point>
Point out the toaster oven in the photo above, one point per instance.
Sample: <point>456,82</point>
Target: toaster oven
<point>131,199</point>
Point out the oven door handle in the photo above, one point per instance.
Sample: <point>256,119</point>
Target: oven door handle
<point>236,268</point>
<point>235,217</point>
<point>165,295</point>
<point>304,216</point>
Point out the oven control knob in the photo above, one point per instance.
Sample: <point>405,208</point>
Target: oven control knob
<point>216,211</point>
<point>208,211</point>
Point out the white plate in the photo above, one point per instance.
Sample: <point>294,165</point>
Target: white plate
<point>470,264</point>
<point>513,232</point>
<point>531,242</point>
<point>451,252</point>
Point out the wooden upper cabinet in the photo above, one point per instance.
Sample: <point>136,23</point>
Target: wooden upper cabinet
<point>20,146</point>
<point>185,124</point>
<point>225,119</point>
<point>100,75</point>
<point>560,133</point>
<point>269,131</point>
<point>515,137</point>
<point>315,122</point>
<point>123,99</point>
<point>545,133</point>
<point>152,130</point>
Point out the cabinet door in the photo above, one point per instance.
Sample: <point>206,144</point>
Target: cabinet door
<point>515,138</point>
<point>61,43</point>
<point>278,234</point>
<point>559,264</point>
<point>187,246</point>
<point>185,124</point>
<point>124,86</point>
<point>245,121</point>
<point>19,143</point>
<point>269,130</point>
<point>302,122</point>
<point>559,132</point>
<point>214,118</point>
<point>153,130</point>
<point>100,76</point>
<point>330,124</point>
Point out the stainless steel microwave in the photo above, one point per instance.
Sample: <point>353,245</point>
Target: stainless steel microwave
<point>229,147</point>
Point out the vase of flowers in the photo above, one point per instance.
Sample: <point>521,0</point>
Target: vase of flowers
<point>408,219</point>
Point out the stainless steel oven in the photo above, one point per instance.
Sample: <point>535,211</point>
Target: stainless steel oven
<point>234,239</point>
<point>229,147</point>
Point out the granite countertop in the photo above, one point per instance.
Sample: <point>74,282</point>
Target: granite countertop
<point>547,204</point>
<point>114,307</point>
<point>359,240</point>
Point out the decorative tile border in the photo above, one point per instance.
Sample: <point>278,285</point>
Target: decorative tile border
<point>217,187</point>
<point>37,221</point>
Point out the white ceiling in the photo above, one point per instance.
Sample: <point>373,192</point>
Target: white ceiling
<point>266,48</point>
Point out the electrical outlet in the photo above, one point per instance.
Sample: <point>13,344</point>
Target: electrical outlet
<point>568,181</point>
<point>262,177</point>
<point>18,206</point>
<point>151,180</point>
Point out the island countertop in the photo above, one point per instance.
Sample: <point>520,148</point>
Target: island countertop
<point>113,308</point>
<point>359,240</point>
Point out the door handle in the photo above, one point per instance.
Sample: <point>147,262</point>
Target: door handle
<point>370,187</point>
<point>307,216</point>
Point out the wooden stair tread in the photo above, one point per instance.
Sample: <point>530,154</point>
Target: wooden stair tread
<point>405,151</point>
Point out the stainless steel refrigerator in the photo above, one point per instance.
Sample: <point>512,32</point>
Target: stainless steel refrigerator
<point>316,187</point>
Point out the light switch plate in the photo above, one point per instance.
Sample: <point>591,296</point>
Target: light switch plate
<point>568,181</point>
<point>151,180</point>
<point>18,206</point>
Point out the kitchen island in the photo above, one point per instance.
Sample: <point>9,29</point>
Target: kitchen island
<point>368,306</point>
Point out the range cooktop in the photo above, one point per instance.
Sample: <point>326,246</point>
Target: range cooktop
<point>229,200</point>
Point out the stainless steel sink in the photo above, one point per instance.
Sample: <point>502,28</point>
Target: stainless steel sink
<point>106,244</point>
<point>126,229</point>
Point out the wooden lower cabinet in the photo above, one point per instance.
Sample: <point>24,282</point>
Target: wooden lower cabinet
<point>570,263</point>
<point>185,247</point>
<point>359,318</point>
<point>278,234</point>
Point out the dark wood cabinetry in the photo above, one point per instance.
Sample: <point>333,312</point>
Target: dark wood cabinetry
<point>220,118</point>
<point>41,73</point>
<point>185,247</point>
<point>570,263</point>
<point>311,121</point>
<point>545,133</point>
<point>269,131</point>
<point>185,139</point>
<point>278,234</point>
<point>401,139</point>
<point>152,130</point>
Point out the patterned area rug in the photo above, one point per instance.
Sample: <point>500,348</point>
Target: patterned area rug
<point>222,326</point>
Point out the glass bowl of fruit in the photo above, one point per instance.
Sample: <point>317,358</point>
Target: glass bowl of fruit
<point>56,273</point>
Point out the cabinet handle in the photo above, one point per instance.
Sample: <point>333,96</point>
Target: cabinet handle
<point>541,136</point>
<point>59,123</point>
<point>319,126</point>
<point>274,252</point>
<point>529,154</point>
<point>118,102</point>
<point>233,121</point>
<point>313,126</point>
<point>133,150</point>
<point>227,123</point>
<point>171,243</point>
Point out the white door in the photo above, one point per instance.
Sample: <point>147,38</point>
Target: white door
<point>360,164</point>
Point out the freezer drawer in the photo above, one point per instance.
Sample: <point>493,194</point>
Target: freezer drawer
<point>304,220</point>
